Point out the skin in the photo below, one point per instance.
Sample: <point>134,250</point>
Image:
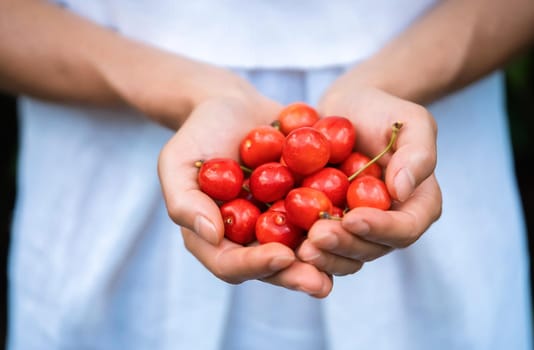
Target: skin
<point>49,53</point>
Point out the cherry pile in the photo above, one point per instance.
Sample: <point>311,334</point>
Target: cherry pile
<point>297,170</point>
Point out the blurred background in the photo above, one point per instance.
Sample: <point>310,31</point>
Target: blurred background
<point>520,91</point>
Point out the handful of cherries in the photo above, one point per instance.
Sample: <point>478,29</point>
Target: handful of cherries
<point>297,170</point>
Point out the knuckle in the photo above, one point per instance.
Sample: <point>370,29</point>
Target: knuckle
<point>224,275</point>
<point>347,268</point>
<point>408,240</point>
<point>174,210</point>
<point>350,269</point>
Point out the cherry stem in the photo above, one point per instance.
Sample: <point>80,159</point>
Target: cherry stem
<point>327,215</point>
<point>276,124</point>
<point>198,164</point>
<point>245,169</point>
<point>394,133</point>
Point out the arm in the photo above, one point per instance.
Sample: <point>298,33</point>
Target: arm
<point>453,45</point>
<point>50,53</point>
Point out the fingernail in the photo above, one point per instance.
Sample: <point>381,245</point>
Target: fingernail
<point>309,253</point>
<point>357,227</point>
<point>206,229</point>
<point>280,262</point>
<point>314,293</point>
<point>325,240</point>
<point>404,184</point>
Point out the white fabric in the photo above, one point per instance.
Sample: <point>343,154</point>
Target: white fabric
<point>259,33</point>
<point>96,263</point>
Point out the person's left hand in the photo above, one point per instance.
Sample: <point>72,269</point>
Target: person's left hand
<point>364,234</point>
<point>213,129</point>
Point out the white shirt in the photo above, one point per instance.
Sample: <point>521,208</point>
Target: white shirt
<point>97,264</point>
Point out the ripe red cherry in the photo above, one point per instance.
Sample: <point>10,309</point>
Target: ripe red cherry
<point>332,182</point>
<point>306,150</point>
<point>337,212</point>
<point>261,145</point>
<point>341,134</point>
<point>278,206</point>
<point>247,195</point>
<point>273,226</point>
<point>270,182</point>
<point>239,218</point>
<point>368,191</point>
<point>296,115</point>
<point>220,178</point>
<point>304,206</point>
<point>355,161</point>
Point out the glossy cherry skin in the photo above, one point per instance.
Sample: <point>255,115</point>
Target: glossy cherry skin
<point>337,212</point>
<point>332,182</point>
<point>261,145</point>
<point>306,150</point>
<point>221,178</point>
<point>273,226</point>
<point>341,134</point>
<point>296,115</point>
<point>278,206</point>
<point>355,161</point>
<point>304,206</point>
<point>297,177</point>
<point>368,191</point>
<point>270,182</point>
<point>239,218</point>
<point>247,195</point>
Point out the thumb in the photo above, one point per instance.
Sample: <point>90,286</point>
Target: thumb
<point>186,205</point>
<point>414,159</point>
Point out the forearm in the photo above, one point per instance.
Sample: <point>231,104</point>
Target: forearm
<point>456,43</point>
<point>51,53</point>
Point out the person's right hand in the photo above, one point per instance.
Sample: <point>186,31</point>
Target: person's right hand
<point>214,129</point>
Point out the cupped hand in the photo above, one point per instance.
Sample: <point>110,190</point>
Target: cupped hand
<point>364,234</point>
<point>214,129</point>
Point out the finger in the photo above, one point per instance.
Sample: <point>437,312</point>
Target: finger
<point>402,225</point>
<point>325,261</point>
<point>301,276</point>
<point>234,263</point>
<point>330,236</point>
<point>186,204</point>
<point>414,158</point>
<point>202,136</point>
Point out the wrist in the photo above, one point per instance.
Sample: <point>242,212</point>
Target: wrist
<point>167,87</point>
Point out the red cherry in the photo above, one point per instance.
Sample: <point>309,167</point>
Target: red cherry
<point>306,150</point>
<point>273,226</point>
<point>220,178</point>
<point>296,115</point>
<point>337,212</point>
<point>304,206</point>
<point>239,218</point>
<point>270,182</point>
<point>341,134</point>
<point>278,206</point>
<point>332,182</point>
<point>297,177</point>
<point>247,195</point>
<point>355,161</point>
<point>368,191</point>
<point>262,144</point>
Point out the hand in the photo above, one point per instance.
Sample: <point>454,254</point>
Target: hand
<point>215,128</point>
<point>364,234</point>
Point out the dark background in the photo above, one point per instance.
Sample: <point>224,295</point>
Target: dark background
<point>520,91</point>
